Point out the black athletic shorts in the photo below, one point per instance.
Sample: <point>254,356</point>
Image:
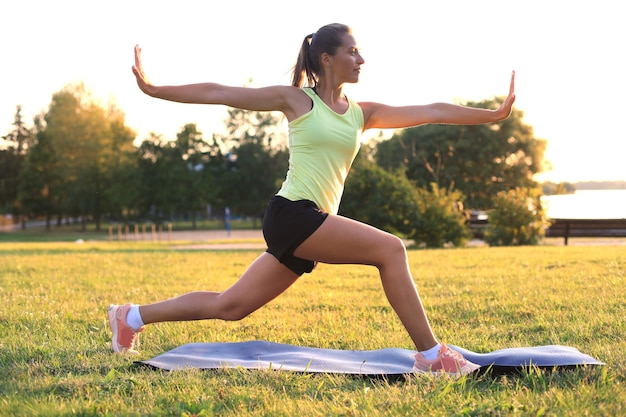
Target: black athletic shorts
<point>286,225</point>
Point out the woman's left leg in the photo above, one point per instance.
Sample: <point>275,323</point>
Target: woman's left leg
<point>340,240</point>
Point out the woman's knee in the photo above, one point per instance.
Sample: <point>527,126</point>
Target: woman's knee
<point>234,312</point>
<point>393,251</point>
<point>231,311</point>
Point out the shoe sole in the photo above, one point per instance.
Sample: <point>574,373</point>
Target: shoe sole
<point>113,324</point>
<point>463,371</point>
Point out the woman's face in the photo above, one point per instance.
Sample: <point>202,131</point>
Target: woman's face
<point>347,61</point>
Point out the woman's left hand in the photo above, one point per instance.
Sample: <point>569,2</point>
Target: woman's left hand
<point>505,108</point>
<point>142,79</point>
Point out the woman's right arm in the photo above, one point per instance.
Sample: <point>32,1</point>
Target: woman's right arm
<point>275,98</point>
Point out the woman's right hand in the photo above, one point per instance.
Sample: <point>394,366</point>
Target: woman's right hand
<point>275,98</point>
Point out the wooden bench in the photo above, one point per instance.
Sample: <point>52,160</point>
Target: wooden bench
<point>567,228</point>
<point>478,227</point>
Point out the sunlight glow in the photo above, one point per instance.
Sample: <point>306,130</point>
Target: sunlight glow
<point>569,82</point>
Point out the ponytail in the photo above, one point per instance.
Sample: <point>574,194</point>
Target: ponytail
<point>303,68</point>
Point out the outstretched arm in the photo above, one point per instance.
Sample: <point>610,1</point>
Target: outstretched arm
<point>381,116</point>
<point>276,98</point>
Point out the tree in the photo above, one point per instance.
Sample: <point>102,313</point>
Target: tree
<point>80,149</point>
<point>12,157</point>
<point>550,188</point>
<point>83,134</point>
<point>159,166</point>
<point>119,163</point>
<point>258,161</point>
<point>40,185</point>
<point>19,138</point>
<point>479,160</point>
<point>198,177</point>
<point>180,176</point>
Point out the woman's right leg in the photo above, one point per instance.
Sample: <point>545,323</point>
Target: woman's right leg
<point>264,280</point>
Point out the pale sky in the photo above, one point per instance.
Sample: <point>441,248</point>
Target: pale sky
<point>568,58</point>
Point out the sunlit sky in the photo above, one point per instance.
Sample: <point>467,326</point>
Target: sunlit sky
<point>568,57</point>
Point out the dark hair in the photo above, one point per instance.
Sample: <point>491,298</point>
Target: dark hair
<point>327,39</point>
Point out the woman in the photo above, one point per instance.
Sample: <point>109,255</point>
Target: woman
<point>301,225</point>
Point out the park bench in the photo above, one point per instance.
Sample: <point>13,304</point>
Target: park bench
<point>567,228</point>
<point>478,227</point>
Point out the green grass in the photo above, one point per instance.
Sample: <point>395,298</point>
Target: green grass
<point>73,232</point>
<point>54,339</point>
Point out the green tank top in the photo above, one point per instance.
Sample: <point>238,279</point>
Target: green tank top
<point>322,147</point>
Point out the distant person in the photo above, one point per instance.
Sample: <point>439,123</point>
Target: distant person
<point>227,220</point>
<point>301,226</point>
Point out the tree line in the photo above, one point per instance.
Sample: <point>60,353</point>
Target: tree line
<point>80,160</point>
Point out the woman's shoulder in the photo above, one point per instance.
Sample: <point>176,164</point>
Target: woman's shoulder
<point>300,101</point>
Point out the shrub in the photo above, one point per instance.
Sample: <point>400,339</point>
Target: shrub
<point>517,219</point>
<point>391,202</point>
<point>380,198</point>
<point>441,222</point>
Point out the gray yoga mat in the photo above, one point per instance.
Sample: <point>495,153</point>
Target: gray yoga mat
<point>383,362</point>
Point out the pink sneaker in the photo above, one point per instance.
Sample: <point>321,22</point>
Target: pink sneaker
<point>124,337</point>
<point>448,362</point>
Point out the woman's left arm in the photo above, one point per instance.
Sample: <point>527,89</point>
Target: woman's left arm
<point>380,116</point>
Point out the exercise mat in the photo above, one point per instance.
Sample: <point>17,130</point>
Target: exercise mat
<point>383,362</point>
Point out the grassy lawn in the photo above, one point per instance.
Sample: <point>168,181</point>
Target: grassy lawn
<point>54,339</point>
<point>74,232</point>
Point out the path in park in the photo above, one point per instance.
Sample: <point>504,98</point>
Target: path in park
<point>204,240</point>
<point>218,239</point>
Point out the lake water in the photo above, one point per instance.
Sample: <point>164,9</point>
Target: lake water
<point>587,204</point>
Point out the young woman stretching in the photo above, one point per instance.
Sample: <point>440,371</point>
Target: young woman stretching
<point>301,226</point>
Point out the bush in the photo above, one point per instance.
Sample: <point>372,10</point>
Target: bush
<point>380,198</point>
<point>517,219</point>
<point>389,201</point>
<point>441,222</point>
